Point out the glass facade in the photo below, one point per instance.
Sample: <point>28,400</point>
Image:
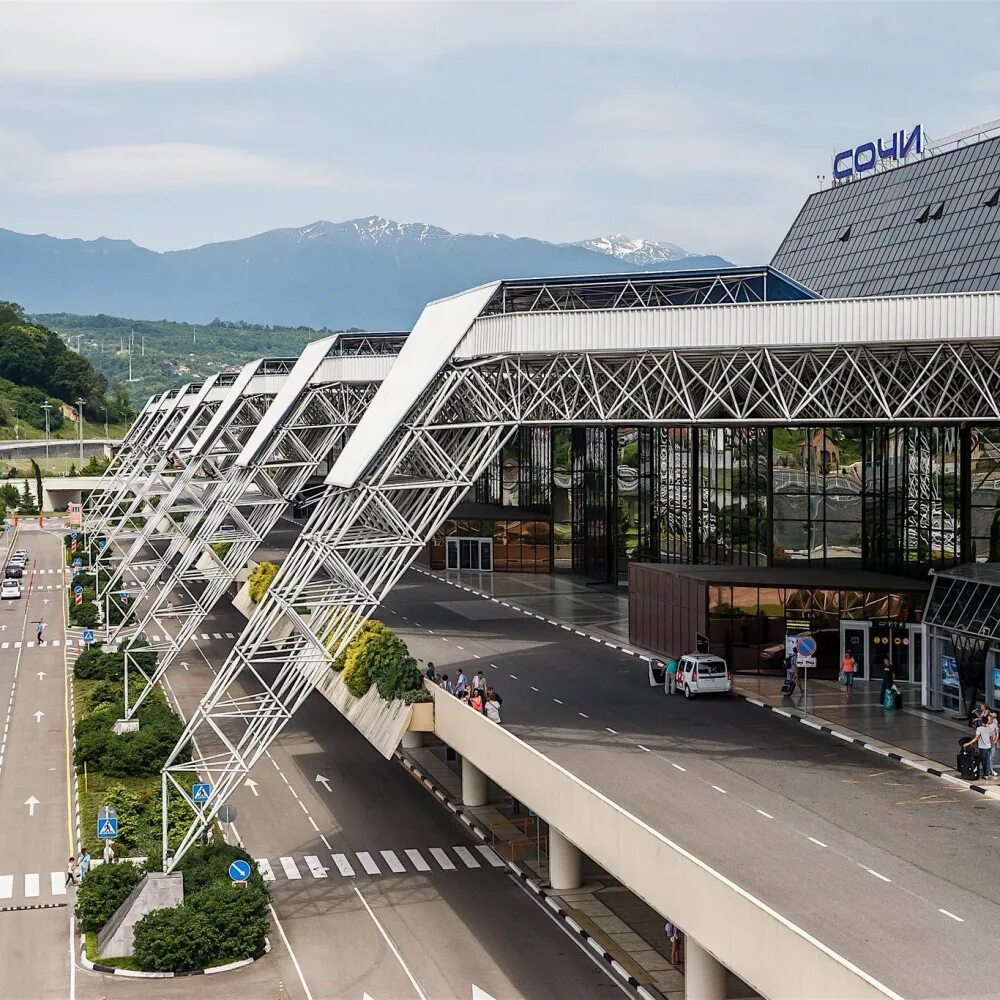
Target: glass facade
<point>882,498</point>
<point>929,226</point>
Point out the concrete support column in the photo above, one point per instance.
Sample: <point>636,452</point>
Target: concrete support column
<point>704,975</point>
<point>412,740</point>
<point>474,785</point>
<point>565,862</point>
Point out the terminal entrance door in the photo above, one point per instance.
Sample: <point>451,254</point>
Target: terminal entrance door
<point>470,553</point>
<point>854,638</point>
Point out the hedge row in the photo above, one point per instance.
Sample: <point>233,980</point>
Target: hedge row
<point>261,577</point>
<point>376,655</point>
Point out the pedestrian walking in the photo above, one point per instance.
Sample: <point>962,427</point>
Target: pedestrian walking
<point>985,738</point>
<point>447,685</point>
<point>850,668</point>
<point>461,682</point>
<point>671,676</point>
<point>109,852</point>
<point>674,937</point>
<point>84,864</point>
<point>492,708</point>
<point>887,678</point>
<point>71,871</point>
<point>430,674</point>
<point>39,631</point>
<point>479,682</point>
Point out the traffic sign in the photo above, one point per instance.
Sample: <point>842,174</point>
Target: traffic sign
<point>78,589</point>
<point>77,561</point>
<point>806,645</point>
<point>806,662</point>
<point>201,791</point>
<point>72,535</point>
<point>239,870</point>
<point>101,542</point>
<point>107,823</point>
<point>78,599</point>
<point>88,635</point>
<point>124,596</point>
<point>72,546</point>
<point>226,814</point>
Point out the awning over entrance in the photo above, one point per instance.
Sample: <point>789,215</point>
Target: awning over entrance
<point>966,599</point>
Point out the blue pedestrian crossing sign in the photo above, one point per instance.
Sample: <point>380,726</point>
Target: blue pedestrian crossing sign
<point>201,791</point>
<point>77,561</point>
<point>107,827</point>
<point>78,589</point>
<point>239,870</point>
<point>88,635</point>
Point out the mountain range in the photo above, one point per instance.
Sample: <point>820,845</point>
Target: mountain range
<point>369,273</point>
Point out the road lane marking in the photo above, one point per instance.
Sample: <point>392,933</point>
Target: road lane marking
<point>442,859</point>
<point>764,814</point>
<point>818,843</point>
<point>716,787</point>
<point>871,871</point>
<point>582,716</point>
<point>533,688</point>
<point>641,747</point>
<point>58,883</point>
<point>465,855</point>
<point>6,886</point>
<point>343,865</point>
<point>316,869</point>
<point>393,861</point>
<point>513,677</point>
<point>393,948</point>
<point>264,867</point>
<point>417,860</point>
<point>291,870</point>
<point>368,863</point>
<point>491,856</point>
<point>612,731</point>
<point>557,701</point>
<point>31,884</point>
<point>679,768</point>
<point>948,913</point>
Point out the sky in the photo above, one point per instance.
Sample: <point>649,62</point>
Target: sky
<point>706,125</point>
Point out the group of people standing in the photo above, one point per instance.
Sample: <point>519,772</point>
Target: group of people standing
<point>479,696</point>
<point>984,738</point>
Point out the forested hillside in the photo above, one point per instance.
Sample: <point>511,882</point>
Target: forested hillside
<point>37,367</point>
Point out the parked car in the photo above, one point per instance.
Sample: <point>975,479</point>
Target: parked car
<point>21,555</point>
<point>10,590</point>
<point>703,673</point>
<point>14,571</point>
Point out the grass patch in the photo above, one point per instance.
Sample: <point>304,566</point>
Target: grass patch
<point>124,962</point>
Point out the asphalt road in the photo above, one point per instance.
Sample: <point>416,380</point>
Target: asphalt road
<point>36,838</point>
<point>893,869</point>
<point>431,933</point>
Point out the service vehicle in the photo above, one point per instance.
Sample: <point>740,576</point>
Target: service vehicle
<point>703,673</point>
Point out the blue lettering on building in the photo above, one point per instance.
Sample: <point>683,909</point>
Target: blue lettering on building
<point>859,160</point>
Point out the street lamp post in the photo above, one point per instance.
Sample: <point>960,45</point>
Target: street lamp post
<point>79,408</point>
<point>47,407</point>
<point>105,409</point>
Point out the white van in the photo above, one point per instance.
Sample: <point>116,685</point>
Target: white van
<point>703,673</point>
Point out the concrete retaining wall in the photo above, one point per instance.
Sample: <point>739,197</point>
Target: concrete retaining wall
<point>155,892</point>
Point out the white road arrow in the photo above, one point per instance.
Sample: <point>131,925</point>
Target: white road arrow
<point>478,994</point>
<point>325,782</point>
<point>252,785</point>
<point>31,803</point>
<point>38,715</point>
<point>41,674</point>
<point>45,600</point>
<point>184,664</point>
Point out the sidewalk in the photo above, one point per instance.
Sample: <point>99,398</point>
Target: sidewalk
<point>624,930</point>
<point>920,738</point>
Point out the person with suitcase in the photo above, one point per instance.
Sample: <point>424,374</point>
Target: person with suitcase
<point>791,676</point>
<point>887,682</point>
<point>983,741</point>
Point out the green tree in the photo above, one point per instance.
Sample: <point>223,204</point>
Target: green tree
<point>26,502</point>
<point>10,495</point>
<point>378,655</point>
<point>38,482</point>
<point>103,890</point>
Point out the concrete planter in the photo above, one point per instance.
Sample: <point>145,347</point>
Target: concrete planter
<point>422,718</point>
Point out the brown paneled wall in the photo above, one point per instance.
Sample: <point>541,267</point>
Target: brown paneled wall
<point>665,609</point>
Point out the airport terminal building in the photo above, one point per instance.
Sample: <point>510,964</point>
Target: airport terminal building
<point>810,440</point>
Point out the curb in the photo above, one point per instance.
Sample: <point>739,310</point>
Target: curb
<point>132,974</point>
<point>531,883</point>
<point>794,715</point>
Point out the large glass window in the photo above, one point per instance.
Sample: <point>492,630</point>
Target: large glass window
<point>984,511</point>
<point>675,498</point>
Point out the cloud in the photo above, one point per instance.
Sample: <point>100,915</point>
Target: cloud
<point>97,42</point>
<point>168,166</point>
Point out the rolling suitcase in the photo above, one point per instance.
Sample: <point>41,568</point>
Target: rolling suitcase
<point>787,687</point>
<point>968,764</point>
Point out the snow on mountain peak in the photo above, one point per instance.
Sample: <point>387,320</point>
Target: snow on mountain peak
<point>634,249</point>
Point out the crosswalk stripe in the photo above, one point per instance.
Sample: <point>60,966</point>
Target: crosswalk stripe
<point>467,858</point>
<point>230,635</point>
<point>216,635</point>
<point>204,635</point>
<point>17,645</point>
<point>368,863</point>
<point>317,870</point>
<point>418,861</point>
<point>6,886</point>
<point>291,871</point>
<point>31,884</point>
<point>264,867</point>
<point>5,645</point>
<point>392,861</point>
<point>442,859</point>
<point>55,642</point>
<point>343,865</point>
<point>490,855</point>
<point>58,883</point>
<point>156,638</point>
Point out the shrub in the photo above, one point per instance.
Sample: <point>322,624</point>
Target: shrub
<point>377,655</point>
<point>398,678</point>
<point>83,615</point>
<point>128,805</point>
<point>367,631</point>
<point>418,696</point>
<point>238,917</point>
<point>103,891</point>
<point>106,693</point>
<point>175,939</point>
<point>93,665</point>
<point>260,580</point>
<point>121,755</point>
<point>221,548</point>
<point>204,865</point>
